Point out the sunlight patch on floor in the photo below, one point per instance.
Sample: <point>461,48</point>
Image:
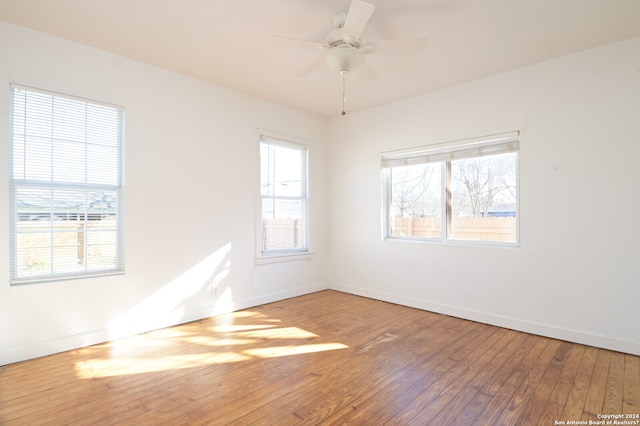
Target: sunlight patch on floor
<point>279,333</point>
<point>228,343</point>
<point>124,366</point>
<point>276,351</point>
<point>237,327</point>
<point>108,367</point>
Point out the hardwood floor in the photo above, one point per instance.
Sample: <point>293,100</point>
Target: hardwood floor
<point>324,358</point>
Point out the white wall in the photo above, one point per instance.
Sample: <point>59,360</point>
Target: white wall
<point>191,152</point>
<point>575,275</point>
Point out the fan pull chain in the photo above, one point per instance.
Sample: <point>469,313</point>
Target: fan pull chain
<point>344,96</point>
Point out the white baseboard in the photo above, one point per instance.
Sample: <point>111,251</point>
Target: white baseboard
<point>532,327</point>
<point>66,343</point>
<point>275,297</point>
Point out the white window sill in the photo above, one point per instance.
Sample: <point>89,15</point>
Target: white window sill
<point>279,258</point>
<point>454,242</point>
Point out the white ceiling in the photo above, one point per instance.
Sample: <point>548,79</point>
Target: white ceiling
<point>227,42</point>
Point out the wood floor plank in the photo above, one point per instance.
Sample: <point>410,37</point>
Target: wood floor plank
<point>493,378</point>
<point>536,405</point>
<point>392,372</point>
<point>512,413</point>
<point>614,393</point>
<point>558,397</point>
<point>478,402</point>
<point>631,396</point>
<point>461,389</point>
<point>595,396</point>
<point>326,358</point>
<point>473,349</point>
<point>323,374</point>
<point>472,410</point>
<point>432,394</point>
<point>520,367</point>
<point>574,405</point>
<point>352,384</point>
<point>431,373</point>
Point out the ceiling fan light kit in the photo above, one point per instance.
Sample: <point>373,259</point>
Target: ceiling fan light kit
<point>344,58</point>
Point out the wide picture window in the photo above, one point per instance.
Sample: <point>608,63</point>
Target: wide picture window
<point>466,191</point>
<point>283,191</point>
<point>66,187</point>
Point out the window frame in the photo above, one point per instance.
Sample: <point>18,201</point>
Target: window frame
<point>444,154</point>
<point>117,267</point>
<point>290,254</point>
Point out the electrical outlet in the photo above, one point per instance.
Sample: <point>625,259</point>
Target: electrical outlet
<point>214,291</point>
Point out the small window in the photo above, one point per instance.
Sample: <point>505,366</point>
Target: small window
<point>66,187</point>
<point>283,190</point>
<point>463,191</point>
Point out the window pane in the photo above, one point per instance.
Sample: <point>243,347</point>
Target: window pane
<point>101,244</point>
<point>33,209</point>
<point>283,225</point>
<point>69,161</point>
<point>282,169</point>
<point>37,159</point>
<point>102,125</point>
<point>32,204</point>
<point>67,253</point>
<point>102,205</point>
<point>73,229</point>
<point>35,110</point>
<point>483,198</point>
<point>416,206</point>
<point>35,258</point>
<point>102,165</point>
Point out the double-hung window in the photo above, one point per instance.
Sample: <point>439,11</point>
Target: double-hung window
<point>456,191</point>
<point>283,192</point>
<point>66,187</point>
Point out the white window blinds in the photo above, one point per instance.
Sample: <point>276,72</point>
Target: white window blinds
<point>481,147</point>
<point>66,186</point>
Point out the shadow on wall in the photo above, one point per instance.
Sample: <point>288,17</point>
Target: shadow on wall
<point>167,305</point>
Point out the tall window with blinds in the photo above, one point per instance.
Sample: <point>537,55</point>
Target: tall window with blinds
<point>457,191</point>
<point>283,191</point>
<point>66,187</point>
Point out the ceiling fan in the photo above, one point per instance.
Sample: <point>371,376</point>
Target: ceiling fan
<point>344,51</point>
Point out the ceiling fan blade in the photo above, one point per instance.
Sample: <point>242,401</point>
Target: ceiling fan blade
<point>400,46</point>
<point>309,69</point>
<point>357,18</point>
<point>365,72</point>
<point>299,42</point>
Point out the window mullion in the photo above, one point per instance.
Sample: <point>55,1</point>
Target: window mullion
<point>387,228</point>
<point>67,185</point>
<point>86,143</point>
<point>51,236</point>
<point>447,216</point>
<point>52,136</point>
<point>285,197</point>
<point>85,225</point>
